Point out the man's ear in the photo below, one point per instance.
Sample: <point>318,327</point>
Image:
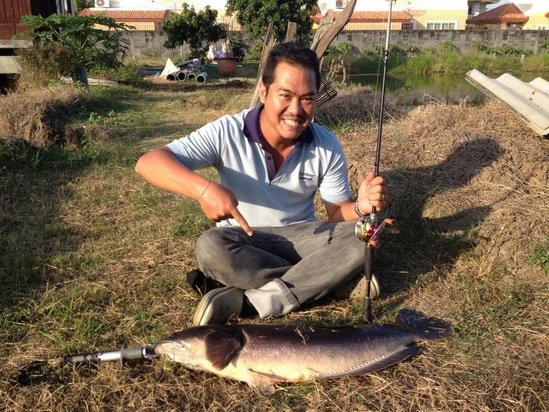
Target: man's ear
<point>262,92</point>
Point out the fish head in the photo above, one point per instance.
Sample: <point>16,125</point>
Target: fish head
<point>185,347</point>
<point>208,347</point>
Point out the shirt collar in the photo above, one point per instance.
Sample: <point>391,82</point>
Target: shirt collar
<point>251,127</point>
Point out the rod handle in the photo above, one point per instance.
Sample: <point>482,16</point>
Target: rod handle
<point>131,353</point>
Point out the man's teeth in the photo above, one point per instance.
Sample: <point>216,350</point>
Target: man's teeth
<point>291,122</point>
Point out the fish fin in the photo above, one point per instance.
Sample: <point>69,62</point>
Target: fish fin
<point>221,346</point>
<point>268,377</point>
<point>426,327</point>
<point>264,382</point>
<point>264,385</point>
<point>382,363</point>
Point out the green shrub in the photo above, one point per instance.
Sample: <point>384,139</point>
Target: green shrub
<point>447,47</point>
<point>76,43</point>
<point>128,74</point>
<point>40,65</point>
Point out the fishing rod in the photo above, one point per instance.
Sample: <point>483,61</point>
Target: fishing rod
<point>38,371</point>
<point>368,228</point>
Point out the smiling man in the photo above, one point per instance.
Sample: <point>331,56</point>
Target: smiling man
<point>269,254</point>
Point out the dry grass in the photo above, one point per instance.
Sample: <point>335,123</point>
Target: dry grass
<point>93,258</point>
<point>44,117</point>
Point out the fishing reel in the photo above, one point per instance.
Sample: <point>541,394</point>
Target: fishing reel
<point>368,229</point>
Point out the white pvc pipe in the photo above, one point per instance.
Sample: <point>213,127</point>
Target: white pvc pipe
<point>201,78</point>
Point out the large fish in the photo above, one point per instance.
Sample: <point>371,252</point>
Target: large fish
<point>263,355</point>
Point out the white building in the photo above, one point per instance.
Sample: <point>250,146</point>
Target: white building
<point>128,5</point>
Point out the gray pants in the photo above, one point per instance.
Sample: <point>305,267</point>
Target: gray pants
<point>281,268</point>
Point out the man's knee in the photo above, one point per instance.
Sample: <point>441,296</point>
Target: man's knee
<point>206,245</point>
<point>214,245</point>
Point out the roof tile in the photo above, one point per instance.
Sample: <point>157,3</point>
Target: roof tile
<point>506,13</point>
<point>130,15</point>
<point>371,17</point>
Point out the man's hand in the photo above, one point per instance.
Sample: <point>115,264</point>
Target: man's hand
<point>372,192</point>
<point>219,203</point>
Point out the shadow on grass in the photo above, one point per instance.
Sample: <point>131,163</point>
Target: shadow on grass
<point>33,182</point>
<point>419,244</point>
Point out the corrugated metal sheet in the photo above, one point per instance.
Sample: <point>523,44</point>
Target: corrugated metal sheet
<point>528,100</point>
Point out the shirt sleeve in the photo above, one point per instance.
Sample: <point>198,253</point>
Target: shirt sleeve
<point>203,147</point>
<point>334,185</point>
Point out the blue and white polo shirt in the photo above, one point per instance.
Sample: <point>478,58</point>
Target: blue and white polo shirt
<point>233,146</point>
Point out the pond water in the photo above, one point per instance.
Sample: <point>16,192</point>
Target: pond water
<point>415,90</point>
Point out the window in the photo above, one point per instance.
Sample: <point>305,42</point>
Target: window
<point>442,25</point>
<point>408,26</point>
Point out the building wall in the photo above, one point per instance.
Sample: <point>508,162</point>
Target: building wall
<point>403,5</point>
<point>537,21</point>
<point>456,17</point>
<point>144,43</point>
<point>462,39</point>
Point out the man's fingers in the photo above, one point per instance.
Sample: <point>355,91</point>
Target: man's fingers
<point>370,177</point>
<point>242,222</point>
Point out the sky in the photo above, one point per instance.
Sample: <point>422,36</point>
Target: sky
<point>540,5</point>
<point>499,3</point>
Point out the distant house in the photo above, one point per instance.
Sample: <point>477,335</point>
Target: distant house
<point>505,17</point>
<point>477,7</point>
<point>143,20</point>
<point>537,12</point>
<point>408,15</point>
<point>373,20</point>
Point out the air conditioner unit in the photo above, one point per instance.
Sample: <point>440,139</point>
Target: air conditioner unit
<point>102,3</point>
<point>340,4</point>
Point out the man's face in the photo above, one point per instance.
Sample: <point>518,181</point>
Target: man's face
<point>290,102</point>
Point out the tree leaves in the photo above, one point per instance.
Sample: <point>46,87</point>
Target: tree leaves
<point>92,46</point>
<point>195,29</point>
<point>255,16</point>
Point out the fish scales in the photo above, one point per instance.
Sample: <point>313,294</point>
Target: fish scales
<point>300,353</point>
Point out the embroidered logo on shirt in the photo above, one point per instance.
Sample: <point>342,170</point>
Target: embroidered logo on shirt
<point>306,176</point>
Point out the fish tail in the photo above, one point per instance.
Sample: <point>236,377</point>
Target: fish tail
<point>426,327</point>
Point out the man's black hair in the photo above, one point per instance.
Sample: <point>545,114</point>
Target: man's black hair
<point>294,54</point>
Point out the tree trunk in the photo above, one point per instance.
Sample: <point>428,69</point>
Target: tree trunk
<point>81,76</point>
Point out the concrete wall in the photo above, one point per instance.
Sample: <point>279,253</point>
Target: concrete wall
<point>462,39</point>
<point>151,43</point>
<point>8,64</point>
